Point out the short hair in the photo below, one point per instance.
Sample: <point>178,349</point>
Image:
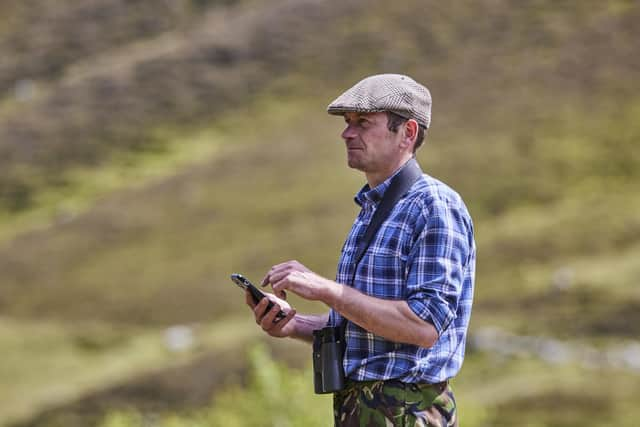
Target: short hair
<point>395,120</point>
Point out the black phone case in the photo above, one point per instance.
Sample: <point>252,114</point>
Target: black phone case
<point>256,293</point>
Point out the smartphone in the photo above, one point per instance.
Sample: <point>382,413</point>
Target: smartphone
<point>256,293</point>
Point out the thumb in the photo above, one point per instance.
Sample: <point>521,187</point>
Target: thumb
<point>278,291</point>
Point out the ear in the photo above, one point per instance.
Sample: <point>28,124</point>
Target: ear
<point>410,133</point>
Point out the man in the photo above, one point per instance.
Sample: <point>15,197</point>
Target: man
<point>408,302</point>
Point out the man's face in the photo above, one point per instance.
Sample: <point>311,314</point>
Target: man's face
<point>371,146</point>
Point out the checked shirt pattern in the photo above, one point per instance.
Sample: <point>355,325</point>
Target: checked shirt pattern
<point>423,253</point>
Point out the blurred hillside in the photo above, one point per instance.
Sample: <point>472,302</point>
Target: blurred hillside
<point>148,149</point>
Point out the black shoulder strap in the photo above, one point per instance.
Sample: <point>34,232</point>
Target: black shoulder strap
<point>400,184</point>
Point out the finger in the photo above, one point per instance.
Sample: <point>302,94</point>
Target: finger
<point>282,295</point>
<point>290,315</point>
<point>296,265</point>
<point>259,310</point>
<point>279,275</point>
<point>265,280</point>
<point>249,299</point>
<point>279,288</point>
<point>268,320</point>
<point>268,278</point>
<point>287,269</point>
<point>280,324</point>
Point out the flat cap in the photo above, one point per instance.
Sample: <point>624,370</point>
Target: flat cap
<point>396,93</point>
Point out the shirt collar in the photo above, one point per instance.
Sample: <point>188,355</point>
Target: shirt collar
<point>368,195</point>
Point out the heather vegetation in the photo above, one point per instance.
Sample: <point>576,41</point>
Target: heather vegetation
<point>148,149</point>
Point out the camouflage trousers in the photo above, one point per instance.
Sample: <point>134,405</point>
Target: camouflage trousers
<point>392,403</point>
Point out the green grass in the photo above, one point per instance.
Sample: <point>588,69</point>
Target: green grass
<point>492,391</point>
<point>84,186</point>
<point>274,396</point>
<point>159,252</point>
<point>527,392</point>
<point>46,364</point>
<point>211,227</point>
<point>540,140</point>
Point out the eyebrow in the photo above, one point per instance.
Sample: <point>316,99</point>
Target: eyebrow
<point>357,117</point>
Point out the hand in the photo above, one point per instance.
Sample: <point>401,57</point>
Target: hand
<point>284,327</point>
<point>300,280</point>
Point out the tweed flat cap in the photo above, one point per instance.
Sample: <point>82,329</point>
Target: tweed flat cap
<point>386,92</point>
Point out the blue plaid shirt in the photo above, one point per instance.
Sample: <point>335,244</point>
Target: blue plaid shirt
<point>424,253</point>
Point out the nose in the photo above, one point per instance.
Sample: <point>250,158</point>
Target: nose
<point>348,132</point>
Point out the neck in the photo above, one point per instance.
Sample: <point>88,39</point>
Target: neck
<point>376,178</point>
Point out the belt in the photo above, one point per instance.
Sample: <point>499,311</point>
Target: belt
<point>440,386</point>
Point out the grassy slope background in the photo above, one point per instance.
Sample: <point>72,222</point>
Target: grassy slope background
<point>143,166</point>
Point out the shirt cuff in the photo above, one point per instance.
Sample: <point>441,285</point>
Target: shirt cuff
<point>432,310</point>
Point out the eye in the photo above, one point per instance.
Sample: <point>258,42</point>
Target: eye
<point>361,122</point>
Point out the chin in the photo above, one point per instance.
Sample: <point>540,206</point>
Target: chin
<point>354,164</point>
<point>357,167</point>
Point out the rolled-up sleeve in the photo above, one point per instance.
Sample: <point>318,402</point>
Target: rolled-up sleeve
<point>436,263</point>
